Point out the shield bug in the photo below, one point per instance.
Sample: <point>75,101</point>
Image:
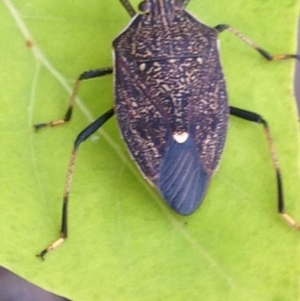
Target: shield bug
<point>171,104</point>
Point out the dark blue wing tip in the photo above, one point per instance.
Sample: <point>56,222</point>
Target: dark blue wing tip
<point>183,181</point>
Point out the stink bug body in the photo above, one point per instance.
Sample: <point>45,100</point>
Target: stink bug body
<point>175,137</point>
<point>171,104</point>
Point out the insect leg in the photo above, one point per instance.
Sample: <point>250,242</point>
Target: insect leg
<point>87,132</point>
<point>127,5</point>
<point>85,75</point>
<point>250,116</point>
<point>270,57</point>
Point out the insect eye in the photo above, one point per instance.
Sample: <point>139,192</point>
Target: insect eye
<point>144,7</point>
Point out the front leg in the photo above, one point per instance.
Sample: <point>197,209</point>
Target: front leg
<point>68,115</point>
<point>270,57</point>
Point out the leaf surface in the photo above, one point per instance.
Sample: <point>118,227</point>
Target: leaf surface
<point>125,243</point>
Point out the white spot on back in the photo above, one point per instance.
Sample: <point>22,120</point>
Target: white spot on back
<point>180,137</point>
<point>142,66</point>
<point>199,60</point>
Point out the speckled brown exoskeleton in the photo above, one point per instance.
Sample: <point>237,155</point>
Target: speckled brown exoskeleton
<point>171,104</point>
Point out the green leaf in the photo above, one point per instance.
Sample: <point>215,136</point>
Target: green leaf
<point>124,242</point>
